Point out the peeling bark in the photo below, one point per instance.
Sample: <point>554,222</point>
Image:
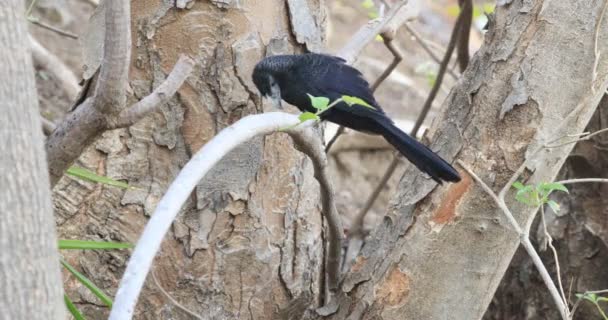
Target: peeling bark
<point>250,242</point>
<point>455,259</point>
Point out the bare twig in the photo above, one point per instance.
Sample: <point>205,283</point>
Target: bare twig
<point>525,242</point>
<point>578,137</point>
<point>104,110</point>
<point>423,44</point>
<point>549,242</point>
<point>48,61</point>
<point>164,92</point>
<point>583,180</point>
<point>168,296</point>
<point>331,142</point>
<point>368,32</point>
<point>466,11</point>
<point>212,152</point>
<point>360,218</point>
<point>440,74</point>
<point>47,126</point>
<point>596,50</point>
<point>387,26</point>
<point>37,22</point>
<point>397,57</point>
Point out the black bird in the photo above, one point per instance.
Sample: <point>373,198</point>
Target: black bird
<point>293,77</point>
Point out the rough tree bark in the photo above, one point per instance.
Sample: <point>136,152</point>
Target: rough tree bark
<point>250,242</point>
<point>441,254</point>
<point>30,280</point>
<point>580,235</point>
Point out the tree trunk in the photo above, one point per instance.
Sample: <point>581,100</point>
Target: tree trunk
<point>250,243</point>
<point>441,251</point>
<point>580,235</point>
<point>30,279</point>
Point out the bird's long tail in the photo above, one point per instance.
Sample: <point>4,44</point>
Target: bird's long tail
<point>418,154</point>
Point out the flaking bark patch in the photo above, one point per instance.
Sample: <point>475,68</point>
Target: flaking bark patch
<point>447,209</point>
<point>395,288</point>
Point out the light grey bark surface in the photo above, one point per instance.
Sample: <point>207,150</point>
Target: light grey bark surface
<point>30,280</point>
<point>441,251</point>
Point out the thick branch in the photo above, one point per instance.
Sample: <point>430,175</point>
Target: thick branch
<point>367,33</point>
<point>71,136</point>
<point>110,94</point>
<point>212,152</point>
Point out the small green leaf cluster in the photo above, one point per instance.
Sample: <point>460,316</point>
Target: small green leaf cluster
<point>538,195</point>
<point>595,299</point>
<point>370,7</point>
<point>87,245</point>
<point>321,104</point>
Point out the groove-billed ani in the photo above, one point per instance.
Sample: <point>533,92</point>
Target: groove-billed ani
<point>293,77</point>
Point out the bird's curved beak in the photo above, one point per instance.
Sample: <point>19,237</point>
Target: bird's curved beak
<point>275,95</point>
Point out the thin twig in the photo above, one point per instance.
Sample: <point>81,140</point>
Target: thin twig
<point>47,126</point>
<point>368,33</point>
<point>579,137</point>
<point>46,60</point>
<point>168,296</point>
<point>360,218</point>
<point>397,57</point>
<point>333,139</point>
<point>525,241</point>
<point>466,11</point>
<point>37,22</point>
<point>182,69</point>
<point>387,25</point>
<point>596,50</point>
<point>423,44</point>
<point>30,8</point>
<point>549,242</point>
<point>442,69</point>
<point>583,180</point>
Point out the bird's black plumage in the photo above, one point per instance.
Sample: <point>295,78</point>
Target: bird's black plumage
<point>293,77</point>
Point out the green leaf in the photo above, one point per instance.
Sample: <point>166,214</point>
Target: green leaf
<point>553,186</point>
<point>554,206</point>
<point>305,116</point>
<point>319,103</point>
<point>92,176</point>
<point>367,4</point>
<point>379,38</point>
<point>591,297</point>
<point>602,299</point>
<point>488,7</point>
<point>354,100</point>
<point>87,283</point>
<point>72,308</point>
<point>452,10</point>
<point>518,185</point>
<point>87,245</point>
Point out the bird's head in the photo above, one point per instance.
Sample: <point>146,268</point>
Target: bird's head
<point>266,76</point>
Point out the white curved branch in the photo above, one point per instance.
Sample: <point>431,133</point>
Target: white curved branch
<point>167,209</point>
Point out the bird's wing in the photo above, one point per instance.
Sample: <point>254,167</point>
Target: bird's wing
<point>338,78</point>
